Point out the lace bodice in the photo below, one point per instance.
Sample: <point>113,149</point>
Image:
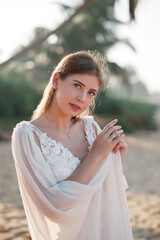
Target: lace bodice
<point>51,208</point>
<point>61,161</point>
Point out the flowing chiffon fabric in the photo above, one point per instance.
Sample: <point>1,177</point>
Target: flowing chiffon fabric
<point>69,210</point>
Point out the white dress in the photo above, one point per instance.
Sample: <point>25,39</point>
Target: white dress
<point>67,210</point>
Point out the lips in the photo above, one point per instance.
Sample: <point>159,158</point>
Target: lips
<point>75,106</point>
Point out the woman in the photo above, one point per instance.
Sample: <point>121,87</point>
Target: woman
<point>69,171</point>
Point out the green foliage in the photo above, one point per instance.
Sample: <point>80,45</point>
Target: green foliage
<point>131,115</point>
<point>18,97</point>
<point>93,29</point>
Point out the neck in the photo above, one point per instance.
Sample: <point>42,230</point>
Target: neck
<point>58,118</point>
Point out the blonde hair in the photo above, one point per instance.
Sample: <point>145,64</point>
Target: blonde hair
<point>80,62</point>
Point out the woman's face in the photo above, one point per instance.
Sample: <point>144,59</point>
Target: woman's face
<point>75,93</point>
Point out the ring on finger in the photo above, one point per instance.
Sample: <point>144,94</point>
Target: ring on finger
<point>113,136</point>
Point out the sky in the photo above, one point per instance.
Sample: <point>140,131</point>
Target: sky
<point>144,34</point>
<point>18,19</point>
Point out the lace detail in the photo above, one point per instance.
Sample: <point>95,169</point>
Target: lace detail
<point>90,133</point>
<point>61,161</point>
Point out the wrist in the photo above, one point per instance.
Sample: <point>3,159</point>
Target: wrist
<point>94,156</point>
<point>98,157</point>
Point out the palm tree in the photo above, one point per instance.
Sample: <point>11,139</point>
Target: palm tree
<point>58,30</point>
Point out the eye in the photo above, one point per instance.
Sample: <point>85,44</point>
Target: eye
<point>77,85</point>
<point>91,93</point>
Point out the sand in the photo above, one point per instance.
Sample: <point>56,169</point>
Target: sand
<point>141,166</point>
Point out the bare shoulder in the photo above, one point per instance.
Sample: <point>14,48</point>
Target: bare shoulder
<point>36,122</point>
<point>39,122</point>
<point>78,123</point>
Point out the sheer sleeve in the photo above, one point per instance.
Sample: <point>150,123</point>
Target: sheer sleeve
<point>34,175</point>
<point>37,180</point>
<point>52,208</point>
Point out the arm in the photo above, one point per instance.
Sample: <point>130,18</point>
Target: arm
<point>102,146</point>
<point>85,170</point>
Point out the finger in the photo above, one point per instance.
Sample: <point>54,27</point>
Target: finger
<point>112,123</point>
<point>116,134</point>
<point>123,145</point>
<point>118,139</point>
<point>116,148</point>
<point>112,131</point>
<point>122,141</point>
<point>120,145</point>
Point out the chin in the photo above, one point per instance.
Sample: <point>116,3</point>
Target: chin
<point>72,113</point>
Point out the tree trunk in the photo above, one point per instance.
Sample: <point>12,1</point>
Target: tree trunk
<point>42,39</point>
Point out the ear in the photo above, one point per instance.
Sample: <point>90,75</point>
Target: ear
<point>55,79</point>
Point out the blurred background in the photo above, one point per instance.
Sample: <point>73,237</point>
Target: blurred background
<point>35,35</point>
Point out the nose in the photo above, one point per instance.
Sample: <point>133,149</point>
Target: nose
<point>81,96</point>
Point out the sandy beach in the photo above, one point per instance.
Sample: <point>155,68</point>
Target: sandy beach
<point>141,166</point>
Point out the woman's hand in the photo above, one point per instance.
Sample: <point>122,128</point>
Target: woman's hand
<point>122,146</point>
<point>107,140</point>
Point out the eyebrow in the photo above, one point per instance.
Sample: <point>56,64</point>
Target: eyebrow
<point>84,85</point>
